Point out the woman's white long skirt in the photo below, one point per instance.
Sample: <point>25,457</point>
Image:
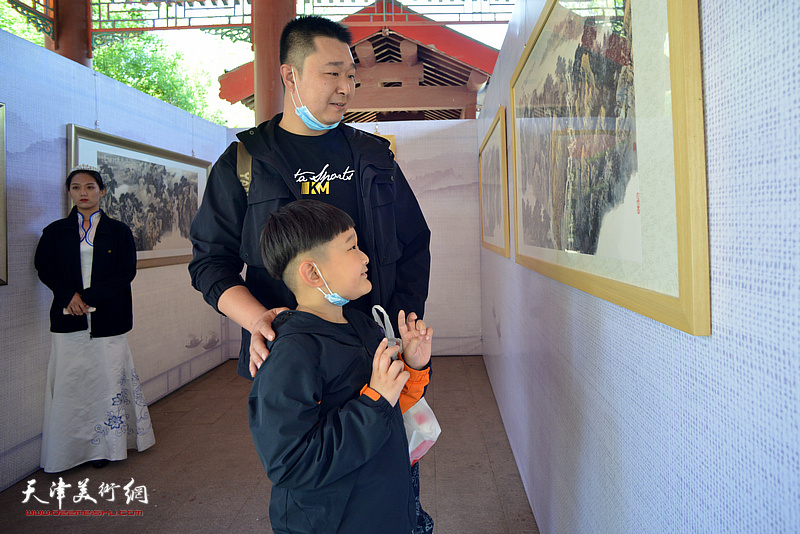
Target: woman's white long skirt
<point>94,407</point>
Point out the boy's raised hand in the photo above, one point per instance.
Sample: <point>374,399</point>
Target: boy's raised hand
<point>416,340</point>
<point>388,376</point>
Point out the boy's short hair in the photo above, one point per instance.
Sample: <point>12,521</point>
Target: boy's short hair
<point>297,38</point>
<point>296,228</point>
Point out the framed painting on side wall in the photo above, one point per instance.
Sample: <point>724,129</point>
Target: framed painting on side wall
<point>152,190</point>
<point>391,139</point>
<point>493,163</point>
<point>609,156</point>
<point>3,206</point>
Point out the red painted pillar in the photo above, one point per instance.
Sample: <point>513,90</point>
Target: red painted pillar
<point>268,19</point>
<point>72,31</point>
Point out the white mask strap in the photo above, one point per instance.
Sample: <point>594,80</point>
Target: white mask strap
<point>386,324</point>
<point>323,280</point>
<point>294,75</point>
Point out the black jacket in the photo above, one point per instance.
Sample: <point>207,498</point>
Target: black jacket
<point>226,230</point>
<point>58,263</point>
<point>338,459</point>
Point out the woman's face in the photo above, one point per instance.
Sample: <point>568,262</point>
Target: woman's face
<point>85,193</point>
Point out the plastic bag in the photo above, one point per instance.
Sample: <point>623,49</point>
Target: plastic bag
<point>422,429</point>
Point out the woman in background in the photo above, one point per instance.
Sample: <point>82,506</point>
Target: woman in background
<point>94,408</point>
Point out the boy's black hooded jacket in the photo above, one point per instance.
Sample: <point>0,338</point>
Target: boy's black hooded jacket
<point>338,459</point>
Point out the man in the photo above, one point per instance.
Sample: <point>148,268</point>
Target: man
<point>293,158</point>
<point>306,152</point>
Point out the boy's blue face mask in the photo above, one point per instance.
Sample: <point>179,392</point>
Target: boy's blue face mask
<point>305,115</point>
<point>334,298</point>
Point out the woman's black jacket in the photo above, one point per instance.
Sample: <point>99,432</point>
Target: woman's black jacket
<point>58,263</point>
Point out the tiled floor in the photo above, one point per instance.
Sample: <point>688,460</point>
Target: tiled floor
<point>203,474</point>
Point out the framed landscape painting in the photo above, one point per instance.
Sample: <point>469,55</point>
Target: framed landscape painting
<point>609,156</point>
<point>493,165</point>
<point>152,190</point>
<point>3,216</point>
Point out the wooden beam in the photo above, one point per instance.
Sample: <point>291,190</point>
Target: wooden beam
<point>269,17</point>
<point>411,98</point>
<point>71,30</point>
<point>447,41</point>
<point>388,116</point>
<point>389,72</point>
<point>408,51</point>
<point>237,84</point>
<point>366,55</point>
<point>476,79</point>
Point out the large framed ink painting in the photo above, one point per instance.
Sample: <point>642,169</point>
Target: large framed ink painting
<point>609,156</point>
<point>3,219</point>
<point>152,190</point>
<point>493,167</point>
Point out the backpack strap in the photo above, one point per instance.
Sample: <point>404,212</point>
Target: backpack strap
<point>244,166</point>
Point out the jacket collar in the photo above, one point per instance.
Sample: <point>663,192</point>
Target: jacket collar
<point>260,143</point>
<point>70,222</point>
<point>298,322</point>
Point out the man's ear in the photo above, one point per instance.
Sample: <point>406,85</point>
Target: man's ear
<point>288,76</point>
<point>309,274</point>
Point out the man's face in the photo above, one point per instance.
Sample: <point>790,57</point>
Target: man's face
<point>327,82</point>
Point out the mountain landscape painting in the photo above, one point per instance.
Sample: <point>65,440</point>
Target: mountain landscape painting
<point>575,137</point>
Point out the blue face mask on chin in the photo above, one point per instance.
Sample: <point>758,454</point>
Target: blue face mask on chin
<point>334,298</point>
<point>306,116</point>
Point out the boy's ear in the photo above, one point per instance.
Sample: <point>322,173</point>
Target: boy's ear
<point>309,274</point>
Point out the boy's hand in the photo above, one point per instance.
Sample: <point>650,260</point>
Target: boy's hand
<point>388,376</point>
<point>416,340</point>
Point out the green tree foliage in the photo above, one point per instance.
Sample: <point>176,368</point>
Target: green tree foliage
<point>144,63</point>
<point>15,23</point>
<point>141,61</point>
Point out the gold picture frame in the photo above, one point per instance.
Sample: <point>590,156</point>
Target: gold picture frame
<point>156,192</point>
<point>392,143</point>
<point>3,197</point>
<point>610,190</point>
<point>493,174</point>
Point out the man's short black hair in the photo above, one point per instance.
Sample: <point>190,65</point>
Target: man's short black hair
<point>297,38</point>
<point>297,228</point>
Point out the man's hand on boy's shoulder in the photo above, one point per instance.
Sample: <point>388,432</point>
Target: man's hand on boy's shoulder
<point>261,331</point>
<point>417,338</point>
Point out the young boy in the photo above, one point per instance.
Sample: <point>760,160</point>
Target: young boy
<point>325,407</point>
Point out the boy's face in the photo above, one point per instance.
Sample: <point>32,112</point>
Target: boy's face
<point>345,267</point>
<point>327,83</point>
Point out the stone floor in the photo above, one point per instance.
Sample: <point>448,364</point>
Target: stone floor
<point>203,474</point>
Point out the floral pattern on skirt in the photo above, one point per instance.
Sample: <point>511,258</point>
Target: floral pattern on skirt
<point>94,405</point>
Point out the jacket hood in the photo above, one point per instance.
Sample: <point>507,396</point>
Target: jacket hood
<point>293,322</point>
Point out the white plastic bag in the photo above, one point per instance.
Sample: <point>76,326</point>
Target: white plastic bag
<point>422,429</point>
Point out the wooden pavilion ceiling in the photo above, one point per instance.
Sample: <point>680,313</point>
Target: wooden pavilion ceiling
<point>438,70</point>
